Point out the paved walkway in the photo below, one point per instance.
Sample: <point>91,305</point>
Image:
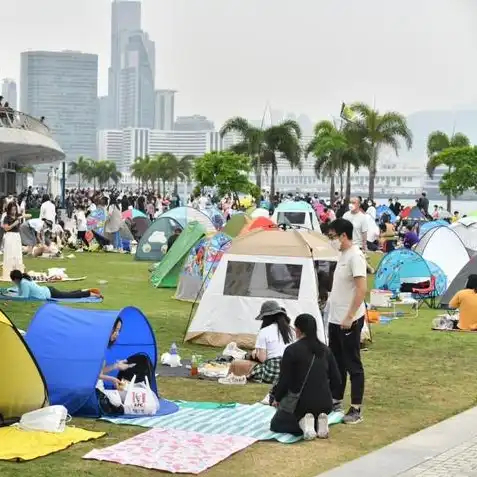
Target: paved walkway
<point>448,449</point>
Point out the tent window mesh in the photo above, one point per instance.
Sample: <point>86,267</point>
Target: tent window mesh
<point>297,218</point>
<point>263,280</point>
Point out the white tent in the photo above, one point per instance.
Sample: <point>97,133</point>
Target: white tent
<point>466,229</point>
<point>442,246</point>
<point>299,214</point>
<point>260,213</point>
<point>259,266</point>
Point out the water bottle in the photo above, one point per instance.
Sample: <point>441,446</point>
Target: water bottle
<point>174,363</point>
<point>194,371</point>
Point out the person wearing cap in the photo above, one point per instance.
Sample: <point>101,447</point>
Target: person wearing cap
<point>274,336</point>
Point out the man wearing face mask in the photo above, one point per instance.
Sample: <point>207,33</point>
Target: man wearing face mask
<point>360,224</point>
<point>346,316</point>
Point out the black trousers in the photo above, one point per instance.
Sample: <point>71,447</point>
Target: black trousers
<point>345,346</point>
<point>82,237</point>
<point>58,294</point>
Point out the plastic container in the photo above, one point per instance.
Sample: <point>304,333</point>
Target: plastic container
<point>194,368</point>
<point>175,360</point>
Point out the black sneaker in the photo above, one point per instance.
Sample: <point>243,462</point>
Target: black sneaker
<point>353,416</point>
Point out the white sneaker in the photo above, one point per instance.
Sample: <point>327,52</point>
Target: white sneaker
<point>266,400</point>
<point>307,425</point>
<point>323,429</point>
<point>232,379</point>
<point>234,351</point>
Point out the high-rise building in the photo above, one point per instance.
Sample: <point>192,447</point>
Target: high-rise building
<point>136,90</point>
<point>132,71</point>
<point>193,123</point>
<point>9,92</point>
<point>63,88</point>
<point>164,113</point>
<point>103,112</point>
<point>124,145</point>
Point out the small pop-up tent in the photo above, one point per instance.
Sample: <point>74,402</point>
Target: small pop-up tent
<point>384,209</point>
<point>153,244</point>
<point>184,215</point>
<point>259,266</point>
<point>260,223</point>
<point>442,246</point>
<point>200,265</point>
<point>298,214</point>
<point>424,228</point>
<point>236,223</point>
<point>413,214</point>
<point>466,229</point>
<point>70,346</point>
<point>406,266</point>
<point>166,274</point>
<point>22,385</point>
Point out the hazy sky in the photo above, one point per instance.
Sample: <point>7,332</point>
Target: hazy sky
<point>230,57</point>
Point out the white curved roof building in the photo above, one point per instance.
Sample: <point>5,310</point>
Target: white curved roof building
<point>24,141</point>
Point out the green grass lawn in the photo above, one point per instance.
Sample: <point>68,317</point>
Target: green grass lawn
<point>414,378</point>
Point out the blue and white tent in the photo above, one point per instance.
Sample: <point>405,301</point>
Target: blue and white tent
<point>70,346</point>
<point>406,266</point>
<point>299,214</point>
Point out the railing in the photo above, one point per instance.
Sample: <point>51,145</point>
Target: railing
<point>9,118</point>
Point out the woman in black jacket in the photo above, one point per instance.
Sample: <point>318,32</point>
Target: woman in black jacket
<point>316,401</point>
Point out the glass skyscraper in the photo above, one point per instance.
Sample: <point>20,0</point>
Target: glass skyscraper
<point>63,87</point>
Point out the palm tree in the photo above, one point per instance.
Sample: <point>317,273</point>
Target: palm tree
<point>379,130</point>
<point>264,146</point>
<point>79,168</point>
<point>141,169</point>
<point>107,171</point>
<point>337,150</point>
<point>177,169</point>
<point>90,172</point>
<point>437,142</point>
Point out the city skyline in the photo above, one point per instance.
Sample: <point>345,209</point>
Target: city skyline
<point>310,70</point>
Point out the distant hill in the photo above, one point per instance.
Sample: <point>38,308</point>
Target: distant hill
<point>422,123</point>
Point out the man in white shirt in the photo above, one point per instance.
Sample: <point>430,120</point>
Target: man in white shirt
<point>360,224</point>
<point>48,209</point>
<point>346,316</point>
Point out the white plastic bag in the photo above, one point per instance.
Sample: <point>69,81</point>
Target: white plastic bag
<point>48,419</point>
<point>140,399</point>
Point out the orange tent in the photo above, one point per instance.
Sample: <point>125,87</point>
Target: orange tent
<point>263,223</point>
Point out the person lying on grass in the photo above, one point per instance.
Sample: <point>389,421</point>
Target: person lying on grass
<point>27,288</point>
<point>263,365</point>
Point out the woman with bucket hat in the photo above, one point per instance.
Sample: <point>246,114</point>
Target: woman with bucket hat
<point>263,365</point>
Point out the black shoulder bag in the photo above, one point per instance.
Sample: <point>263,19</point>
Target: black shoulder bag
<point>289,402</point>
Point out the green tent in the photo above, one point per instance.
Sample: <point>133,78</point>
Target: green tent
<point>235,225</point>
<point>166,274</point>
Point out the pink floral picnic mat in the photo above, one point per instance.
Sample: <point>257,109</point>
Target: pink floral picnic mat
<point>173,450</point>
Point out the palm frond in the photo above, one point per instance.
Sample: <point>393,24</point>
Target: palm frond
<point>437,141</point>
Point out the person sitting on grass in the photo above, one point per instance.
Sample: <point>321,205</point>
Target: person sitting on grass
<point>466,302</point>
<point>263,365</point>
<point>27,288</point>
<point>308,368</point>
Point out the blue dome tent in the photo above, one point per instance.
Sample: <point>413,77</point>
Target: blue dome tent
<point>403,264</point>
<point>425,227</point>
<point>70,346</point>
<point>384,209</point>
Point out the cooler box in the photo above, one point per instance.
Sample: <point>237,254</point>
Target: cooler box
<point>381,298</point>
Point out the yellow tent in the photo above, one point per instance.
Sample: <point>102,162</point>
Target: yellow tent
<point>22,386</point>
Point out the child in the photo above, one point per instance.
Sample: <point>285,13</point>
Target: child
<point>81,227</point>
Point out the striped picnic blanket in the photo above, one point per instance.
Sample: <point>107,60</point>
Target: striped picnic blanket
<point>242,420</point>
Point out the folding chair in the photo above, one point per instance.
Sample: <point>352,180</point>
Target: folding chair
<point>426,295</point>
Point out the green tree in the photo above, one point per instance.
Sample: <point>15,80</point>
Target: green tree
<point>225,170</point>
<point>265,146</point>
<point>337,150</point>
<point>177,169</point>
<point>106,171</point>
<point>438,142</point>
<point>379,130</point>
<point>461,175</point>
<point>141,170</point>
<point>79,168</point>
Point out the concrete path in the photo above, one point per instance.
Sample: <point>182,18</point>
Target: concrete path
<point>448,449</point>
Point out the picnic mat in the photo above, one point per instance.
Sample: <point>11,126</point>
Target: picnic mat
<point>16,444</point>
<point>242,420</point>
<point>173,450</point>
<point>90,299</point>
<point>183,371</point>
<point>63,280</point>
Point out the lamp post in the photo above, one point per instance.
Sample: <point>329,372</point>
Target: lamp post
<point>63,184</point>
<point>184,179</point>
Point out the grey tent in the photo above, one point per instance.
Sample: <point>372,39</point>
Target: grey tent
<point>459,282</point>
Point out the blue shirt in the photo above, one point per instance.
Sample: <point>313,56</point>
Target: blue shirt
<point>29,289</point>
